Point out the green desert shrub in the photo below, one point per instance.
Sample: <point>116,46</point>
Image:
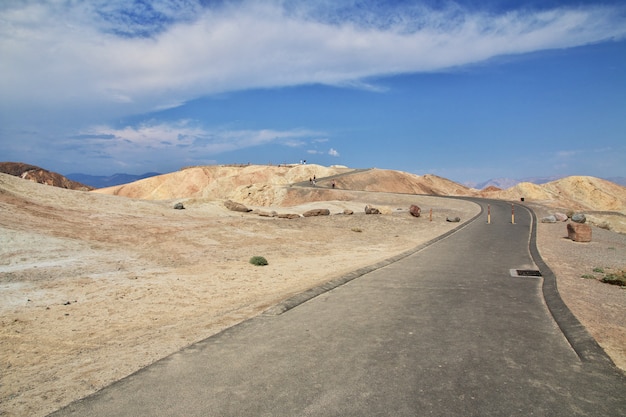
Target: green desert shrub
<point>598,270</point>
<point>616,278</point>
<point>258,260</point>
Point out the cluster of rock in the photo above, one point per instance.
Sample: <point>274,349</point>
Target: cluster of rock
<point>414,210</point>
<point>577,230</point>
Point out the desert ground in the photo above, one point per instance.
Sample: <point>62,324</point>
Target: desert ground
<point>95,286</point>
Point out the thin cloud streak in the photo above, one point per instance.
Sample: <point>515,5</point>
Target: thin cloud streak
<point>58,56</point>
<point>185,134</point>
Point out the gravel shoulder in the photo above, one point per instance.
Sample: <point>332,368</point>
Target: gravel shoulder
<point>600,307</point>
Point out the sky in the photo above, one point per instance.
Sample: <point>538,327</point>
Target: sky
<point>468,90</point>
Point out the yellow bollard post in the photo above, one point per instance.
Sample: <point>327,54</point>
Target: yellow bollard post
<point>512,214</point>
<point>431,215</point>
<point>488,213</point>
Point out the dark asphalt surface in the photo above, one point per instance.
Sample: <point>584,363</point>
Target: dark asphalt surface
<point>445,331</point>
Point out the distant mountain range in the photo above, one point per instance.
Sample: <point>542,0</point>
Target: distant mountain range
<point>101,181</point>
<point>505,183</point>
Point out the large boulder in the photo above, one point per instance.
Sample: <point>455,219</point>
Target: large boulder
<point>415,210</point>
<point>579,232</point>
<point>579,218</point>
<point>549,219</point>
<point>453,219</point>
<point>179,206</point>
<point>371,210</point>
<point>231,205</point>
<point>316,212</point>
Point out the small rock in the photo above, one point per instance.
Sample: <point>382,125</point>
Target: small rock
<point>453,219</point>
<point>316,212</point>
<point>549,219</point>
<point>231,205</point>
<point>179,206</point>
<point>579,218</point>
<point>579,232</point>
<point>348,212</point>
<point>415,210</point>
<point>371,210</point>
<point>288,216</point>
<point>560,217</point>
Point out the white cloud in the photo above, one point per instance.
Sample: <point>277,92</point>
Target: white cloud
<point>185,134</point>
<point>72,55</point>
<point>333,152</point>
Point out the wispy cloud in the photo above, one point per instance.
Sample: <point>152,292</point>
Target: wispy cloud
<point>185,136</point>
<point>136,57</point>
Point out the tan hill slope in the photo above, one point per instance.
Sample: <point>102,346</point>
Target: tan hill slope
<point>41,176</point>
<point>576,193</point>
<point>218,182</point>
<point>271,185</point>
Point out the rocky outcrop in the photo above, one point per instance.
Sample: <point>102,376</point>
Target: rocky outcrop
<point>233,206</point>
<point>316,212</point>
<point>579,232</point>
<point>42,176</point>
<point>415,210</point>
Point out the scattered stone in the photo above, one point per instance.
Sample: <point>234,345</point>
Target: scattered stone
<point>179,206</point>
<point>266,213</point>
<point>579,232</point>
<point>289,216</point>
<point>549,219</point>
<point>371,210</point>
<point>415,210</point>
<point>348,212</point>
<point>560,217</point>
<point>579,218</point>
<point>231,205</point>
<point>316,212</point>
<point>453,219</point>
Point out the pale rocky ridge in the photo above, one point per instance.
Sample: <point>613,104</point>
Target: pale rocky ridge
<point>263,186</point>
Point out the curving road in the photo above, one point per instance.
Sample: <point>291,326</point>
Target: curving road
<point>444,331</point>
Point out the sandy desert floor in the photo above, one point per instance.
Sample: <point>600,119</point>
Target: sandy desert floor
<point>94,287</point>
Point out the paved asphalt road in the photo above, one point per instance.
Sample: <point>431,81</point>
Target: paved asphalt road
<point>444,331</point>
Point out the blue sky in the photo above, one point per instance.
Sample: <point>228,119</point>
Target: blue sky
<point>468,90</point>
